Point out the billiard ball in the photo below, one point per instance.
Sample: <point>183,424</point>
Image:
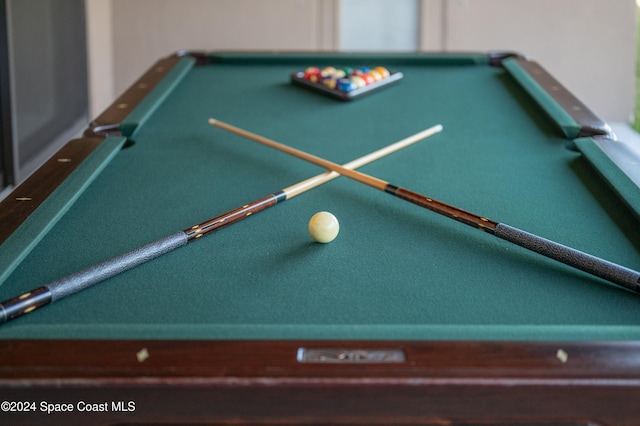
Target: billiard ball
<point>347,70</point>
<point>376,75</point>
<point>383,71</point>
<point>327,71</point>
<point>330,82</point>
<point>358,81</point>
<point>345,85</point>
<point>368,78</point>
<point>324,227</point>
<point>311,71</point>
<point>339,74</point>
<point>315,78</point>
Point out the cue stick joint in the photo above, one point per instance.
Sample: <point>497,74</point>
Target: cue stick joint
<point>24,304</point>
<point>231,217</point>
<point>452,212</point>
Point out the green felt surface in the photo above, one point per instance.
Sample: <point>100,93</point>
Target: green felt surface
<point>395,270</point>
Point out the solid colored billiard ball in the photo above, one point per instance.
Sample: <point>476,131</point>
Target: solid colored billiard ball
<point>347,70</point>
<point>324,227</point>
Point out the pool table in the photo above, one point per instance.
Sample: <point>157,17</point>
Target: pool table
<point>408,317</point>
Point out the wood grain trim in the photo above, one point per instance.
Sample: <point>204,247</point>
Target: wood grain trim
<point>26,198</point>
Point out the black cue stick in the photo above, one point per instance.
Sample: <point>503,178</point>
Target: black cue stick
<point>609,271</point>
<point>52,292</point>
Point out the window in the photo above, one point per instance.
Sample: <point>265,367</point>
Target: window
<point>44,85</point>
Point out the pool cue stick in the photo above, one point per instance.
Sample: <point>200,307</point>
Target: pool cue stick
<point>609,271</point>
<point>52,292</point>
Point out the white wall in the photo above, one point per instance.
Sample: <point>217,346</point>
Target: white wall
<point>589,45</point>
<point>133,34</point>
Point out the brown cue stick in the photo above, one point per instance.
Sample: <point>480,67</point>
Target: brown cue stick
<point>609,271</point>
<point>28,302</point>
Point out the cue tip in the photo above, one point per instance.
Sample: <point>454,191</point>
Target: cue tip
<point>437,128</point>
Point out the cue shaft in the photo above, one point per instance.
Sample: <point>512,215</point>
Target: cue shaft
<point>609,271</point>
<point>64,287</point>
<point>360,177</point>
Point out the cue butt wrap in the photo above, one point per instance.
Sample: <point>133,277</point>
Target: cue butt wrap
<point>95,274</point>
<point>620,275</point>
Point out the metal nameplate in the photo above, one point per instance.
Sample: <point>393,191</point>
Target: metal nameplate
<point>349,355</point>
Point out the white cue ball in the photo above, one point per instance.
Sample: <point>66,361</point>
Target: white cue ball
<point>324,227</point>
